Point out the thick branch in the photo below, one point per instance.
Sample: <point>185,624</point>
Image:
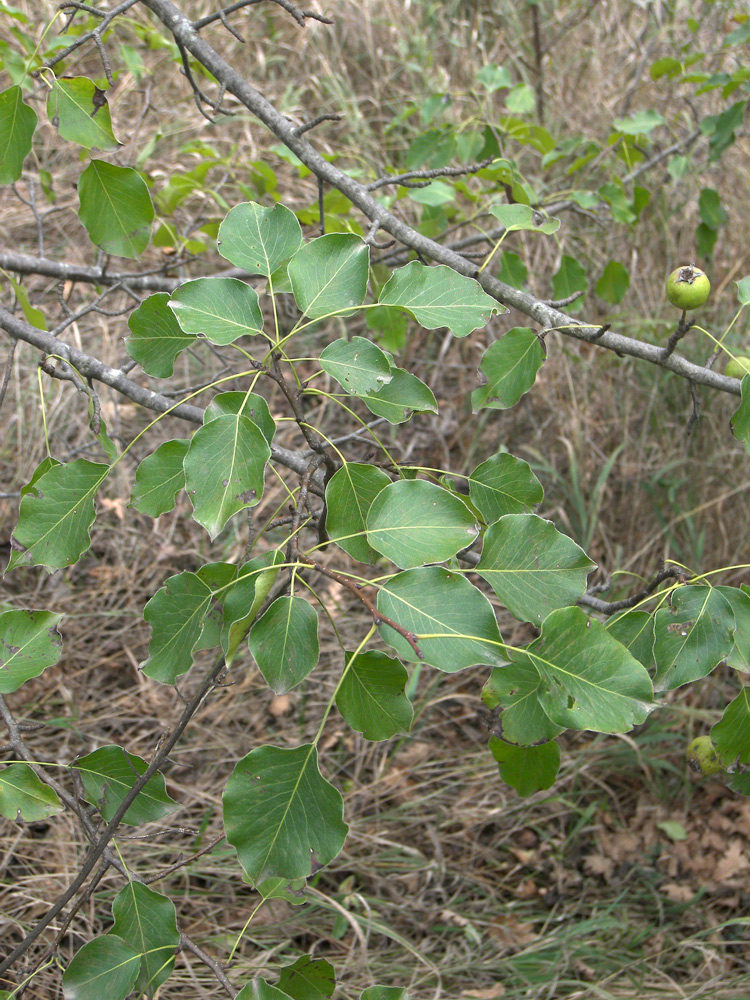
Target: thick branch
<point>546,316</point>
<point>91,367</point>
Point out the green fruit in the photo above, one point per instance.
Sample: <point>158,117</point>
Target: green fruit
<point>738,367</point>
<point>688,287</point>
<point>702,756</point>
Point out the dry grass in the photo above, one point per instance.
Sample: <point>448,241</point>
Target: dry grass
<point>449,884</point>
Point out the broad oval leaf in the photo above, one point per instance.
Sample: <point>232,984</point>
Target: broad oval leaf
<point>357,365</point>
<point>284,642</point>
<point>56,516</point>
<point>105,967</point>
<point>527,769</point>
<point>691,636</point>
<point>147,921</point>
<point>510,366</point>
<point>116,208</point>
<point>29,643</point>
<point>403,395</point>
<point>222,309</point>
<point>177,614</point>
<point>308,979</point>
<point>156,338</point>
<point>635,630</point>
<point>257,238</point>
<point>110,772</point>
<point>512,691</point>
<point>80,111</point>
<point>440,297</point>
<point>739,657</point>
<point>431,601</point>
<point>281,815</point>
<point>159,478</point>
<point>590,681</point>
<point>515,217</point>
<point>372,695</point>
<point>532,567</point>
<point>740,422</point>
<point>225,469</point>
<point>503,485</point>
<point>17,124</point>
<point>349,496</point>
<point>242,601</point>
<point>731,735</point>
<point>249,404</point>
<point>413,522</point>
<point>23,795</point>
<point>329,274</point>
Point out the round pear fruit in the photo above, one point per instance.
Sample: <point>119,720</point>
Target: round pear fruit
<point>702,756</point>
<point>688,287</point>
<point>738,367</point>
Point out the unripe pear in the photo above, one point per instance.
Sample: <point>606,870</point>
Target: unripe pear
<point>738,367</point>
<point>688,287</point>
<point>703,757</point>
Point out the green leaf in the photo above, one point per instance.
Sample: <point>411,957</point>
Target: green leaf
<point>589,681</point>
<point>722,129</point>
<point>494,77</point>
<point>513,691</point>
<point>401,397</point>
<point>739,657</point>
<point>692,635</point>
<point>710,208</point>
<point>532,567</point>
<point>503,485</point>
<point>613,283</point>
<point>635,630</point>
<point>517,217</point>
<point>281,815</point>
<point>520,100</point>
<point>259,989</point>
<point>115,208</point>
<point>641,123</point>
<point>527,769</point>
<point>105,967</point>
<point>159,478</point>
<point>222,309</point>
<point>432,601</point>
<point>284,642</point>
<point>249,404</point>
<point>349,495</point>
<point>147,921</point>
<point>23,795</point>
<point>110,772</point>
<point>329,274</point>
<point>176,614</point>
<point>225,469</point>
<point>56,516</point>
<point>439,296</point>
<point>436,193</point>
<point>389,325</point>
<point>731,735</point>
<point>357,365</point>
<point>29,643</point>
<point>31,314</point>
<point>512,269</point>
<point>740,421</point>
<point>156,336</point>
<point>372,698</point>
<point>80,111</point>
<point>308,979</point>
<point>259,239</point>
<point>570,277</point>
<point>243,601</point>
<point>17,124</point>
<point>412,522</point>
<point>510,366</point>
<point>384,993</point>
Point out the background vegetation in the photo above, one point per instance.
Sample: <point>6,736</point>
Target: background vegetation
<point>627,877</point>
